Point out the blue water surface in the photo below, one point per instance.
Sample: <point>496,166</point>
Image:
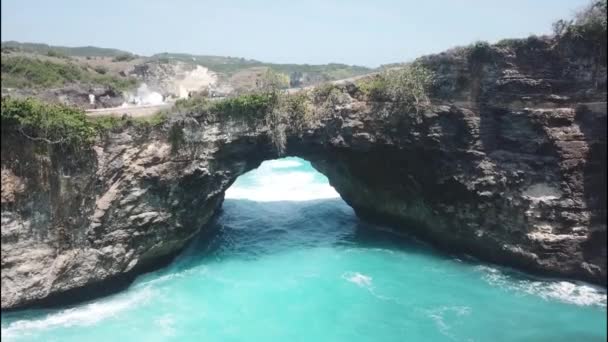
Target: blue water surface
<point>287,260</point>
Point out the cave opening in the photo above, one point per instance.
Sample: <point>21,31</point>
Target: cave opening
<point>283,179</point>
<point>284,204</point>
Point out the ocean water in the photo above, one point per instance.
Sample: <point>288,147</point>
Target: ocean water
<point>287,260</point>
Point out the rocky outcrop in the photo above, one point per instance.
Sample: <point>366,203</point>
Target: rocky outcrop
<point>175,79</point>
<point>508,164</point>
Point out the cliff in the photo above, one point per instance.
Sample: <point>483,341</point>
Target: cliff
<point>507,162</point>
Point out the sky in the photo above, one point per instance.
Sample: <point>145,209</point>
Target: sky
<point>358,32</point>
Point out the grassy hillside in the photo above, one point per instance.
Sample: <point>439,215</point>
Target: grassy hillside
<point>22,72</point>
<point>232,65</point>
<point>44,49</point>
<point>39,66</point>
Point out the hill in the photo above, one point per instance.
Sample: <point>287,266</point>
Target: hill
<point>45,49</point>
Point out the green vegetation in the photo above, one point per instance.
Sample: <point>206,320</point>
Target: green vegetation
<point>479,52</point>
<point>44,49</point>
<point>57,54</point>
<point>62,125</point>
<point>327,96</point>
<point>246,107</point>
<point>589,26</point>
<point>232,65</point>
<point>325,72</point>
<point>108,123</point>
<point>273,80</point>
<point>22,72</point>
<point>268,106</point>
<point>176,137</point>
<point>196,104</point>
<point>589,23</point>
<point>298,109</point>
<point>125,57</point>
<point>323,91</point>
<point>227,65</point>
<point>407,86</point>
<point>100,69</point>
<point>376,87</point>
<point>48,123</point>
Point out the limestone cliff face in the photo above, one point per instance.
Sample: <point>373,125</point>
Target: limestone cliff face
<point>508,164</point>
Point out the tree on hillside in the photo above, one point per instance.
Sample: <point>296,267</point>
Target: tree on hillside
<point>272,81</point>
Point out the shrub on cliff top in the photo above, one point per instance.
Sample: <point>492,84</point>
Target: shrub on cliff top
<point>589,26</point>
<point>48,123</point>
<point>193,106</point>
<point>106,123</point>
<point>272,81</point>
<point>408,86</point>
<point>248,107</point>
<point>298,110</point>
<point>590,22</point>
<point>479,52</point>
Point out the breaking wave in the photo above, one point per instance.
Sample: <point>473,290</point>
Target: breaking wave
<point>83,315</point>
<point>577,293</point>
<point>288,179</point>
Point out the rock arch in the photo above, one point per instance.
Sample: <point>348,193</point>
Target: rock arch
<point>511,178</point>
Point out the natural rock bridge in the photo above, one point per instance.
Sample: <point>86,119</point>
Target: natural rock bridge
<point>508,164</point>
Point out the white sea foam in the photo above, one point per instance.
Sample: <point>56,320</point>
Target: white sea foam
<point>281,163</point>
<point>438,316</point>
<point>166,324</point>
<point>361,280</point>
<point>83,315</point>
<point>565,291</point>
<point>273,182</point>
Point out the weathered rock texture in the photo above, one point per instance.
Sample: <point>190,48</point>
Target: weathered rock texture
<point>509,164</point>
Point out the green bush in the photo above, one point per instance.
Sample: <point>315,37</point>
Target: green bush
<point>298,109</point>
<point>54,53</point>
<point>123,58</point>
<point>101,69</point>
<point>115,83</point>
<point>248,107</point>
<point>176,137</point>
<point>323,91</point>
<point>292,112</point>
<point>59,124</point>
<point>408,86</point>
<point>375,87</point>
<point>272,109</point>
<point>48,123</point>
<point>479,52</point>
<point>589,26</point>
<point>198,104</point>
<point>272,81</point>
<point>106,123</point>
<point>590,22</point>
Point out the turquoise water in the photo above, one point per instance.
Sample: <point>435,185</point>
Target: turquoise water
<point>287,260</point>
